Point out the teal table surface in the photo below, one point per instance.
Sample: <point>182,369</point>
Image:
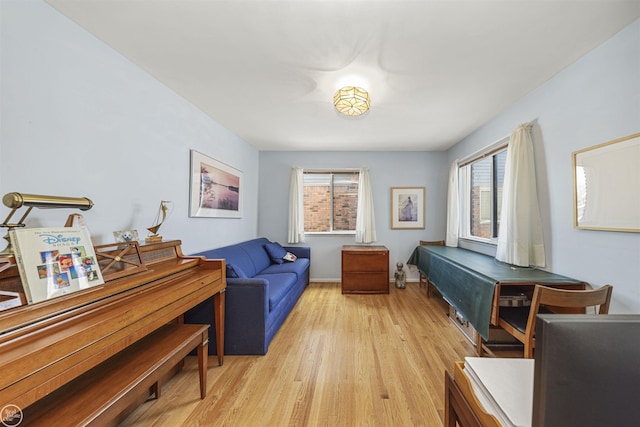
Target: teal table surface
<point>467,279</point>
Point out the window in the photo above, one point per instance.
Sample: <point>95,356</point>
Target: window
<point>481,181</point>
<point>330,201</point>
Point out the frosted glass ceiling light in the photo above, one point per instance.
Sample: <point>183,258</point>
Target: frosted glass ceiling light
<point>352,101</point>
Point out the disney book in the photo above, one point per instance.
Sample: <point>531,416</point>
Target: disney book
<point>54,261</point>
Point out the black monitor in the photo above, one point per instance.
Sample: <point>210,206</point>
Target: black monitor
<point>587,370</point>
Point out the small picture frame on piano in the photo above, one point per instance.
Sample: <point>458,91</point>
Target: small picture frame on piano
<point>126,236</point>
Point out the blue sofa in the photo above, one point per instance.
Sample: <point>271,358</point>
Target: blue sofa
<point>262,289</point>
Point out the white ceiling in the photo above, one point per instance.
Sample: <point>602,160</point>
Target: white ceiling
<point>435,70</point>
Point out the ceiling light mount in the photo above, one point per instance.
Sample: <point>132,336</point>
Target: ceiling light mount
<point>352,101</point>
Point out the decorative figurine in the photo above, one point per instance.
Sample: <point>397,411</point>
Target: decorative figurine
<point>154,237</point>
<point>400,276</point>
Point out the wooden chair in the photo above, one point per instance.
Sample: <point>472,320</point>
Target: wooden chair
<point>521,321</point>
<point>424,280</point>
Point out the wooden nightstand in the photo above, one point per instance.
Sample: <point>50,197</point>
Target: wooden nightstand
<point>365,269</point>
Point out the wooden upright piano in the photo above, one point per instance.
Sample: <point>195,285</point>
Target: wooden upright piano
<point>84,356</point>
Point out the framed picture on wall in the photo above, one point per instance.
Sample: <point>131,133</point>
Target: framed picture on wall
<point>407,208</point>
<point>605,186</point>
<point>216,188</point>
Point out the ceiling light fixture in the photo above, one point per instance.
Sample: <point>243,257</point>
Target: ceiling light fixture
<point>352,101</point>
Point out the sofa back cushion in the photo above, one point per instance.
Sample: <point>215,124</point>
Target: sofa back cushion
<point>276,252</point>
<point>258,254</point>
<point>250,257</point>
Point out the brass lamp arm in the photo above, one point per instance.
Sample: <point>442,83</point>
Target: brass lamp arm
<point>17,200</point>
<point>19,223</point>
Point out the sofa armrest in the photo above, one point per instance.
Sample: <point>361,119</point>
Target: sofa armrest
<point>248,281</point>
<point>299,251</point>
<point>252,292</point>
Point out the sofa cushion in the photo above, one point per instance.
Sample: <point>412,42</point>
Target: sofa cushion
<point>279,285</point>
<point>276,252</point>
<point>235,272</point>
<point>299,267</point>
<point>256,251</point>
<point>236,255</point>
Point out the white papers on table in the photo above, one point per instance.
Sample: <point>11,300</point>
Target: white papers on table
<point>504,387</point>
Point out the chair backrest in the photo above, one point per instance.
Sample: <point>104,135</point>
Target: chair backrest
<point>554,298</point>
<point>432,243</point>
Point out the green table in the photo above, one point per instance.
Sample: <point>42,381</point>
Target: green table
<point>471,281</point>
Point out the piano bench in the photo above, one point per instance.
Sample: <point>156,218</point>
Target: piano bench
<point>106,394</point>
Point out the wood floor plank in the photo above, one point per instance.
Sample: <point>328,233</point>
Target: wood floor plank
<point>352,360</point>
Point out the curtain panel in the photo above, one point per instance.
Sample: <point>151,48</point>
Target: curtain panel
<point>296,206</point>
<point>365,219</point>
<point>453,210</point>
<point>520,239</point>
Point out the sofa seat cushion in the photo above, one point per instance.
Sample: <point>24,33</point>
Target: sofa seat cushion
<point>279,285</point>
<point>299,267</point>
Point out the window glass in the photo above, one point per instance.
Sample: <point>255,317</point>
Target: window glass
<point>500,160</point>
<point>345,201</point>
<point>482,194</point>
<point>330,202</point>
<point>481,177</point>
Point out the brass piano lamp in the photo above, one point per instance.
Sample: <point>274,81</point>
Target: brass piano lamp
<point>17,200</point>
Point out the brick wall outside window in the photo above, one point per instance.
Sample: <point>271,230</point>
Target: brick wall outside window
<point>345,207</point>
<point>478,228</point>
<point>317,208</point>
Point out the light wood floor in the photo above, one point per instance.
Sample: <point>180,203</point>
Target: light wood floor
<point>338,360</point>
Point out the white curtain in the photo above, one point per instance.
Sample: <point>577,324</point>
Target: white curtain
<point>365,219</point>
<point>296,206</point>
<point>520,240</point>
<point>453,212</point>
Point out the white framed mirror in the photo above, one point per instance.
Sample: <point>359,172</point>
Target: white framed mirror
<point>606,185</point>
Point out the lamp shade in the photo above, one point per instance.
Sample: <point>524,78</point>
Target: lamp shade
<point>352,101</point>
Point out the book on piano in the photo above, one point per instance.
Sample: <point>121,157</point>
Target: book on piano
<point>54,261</point>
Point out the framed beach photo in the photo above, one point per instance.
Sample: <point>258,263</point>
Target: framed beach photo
<point>407,208</point>
<point>216,188</point>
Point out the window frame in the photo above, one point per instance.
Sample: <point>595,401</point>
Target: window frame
<point>332,172</point>
<point>465,191</point>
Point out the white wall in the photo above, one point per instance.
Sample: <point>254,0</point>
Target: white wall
<point>386,170</point>
<point>595,100</point>
<point>78,119</point>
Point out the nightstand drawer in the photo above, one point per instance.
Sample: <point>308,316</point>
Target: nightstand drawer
<point>371,261</point>
<point>365,283</point>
